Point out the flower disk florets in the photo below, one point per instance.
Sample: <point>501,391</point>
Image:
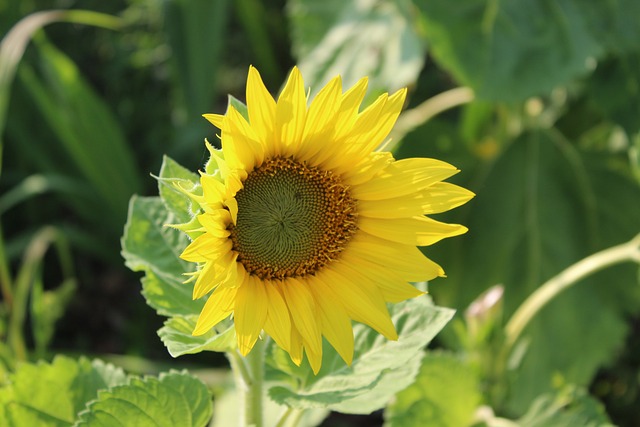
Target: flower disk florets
<point>292,219</point>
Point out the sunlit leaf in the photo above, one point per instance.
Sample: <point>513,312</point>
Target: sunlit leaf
<point>149,246</point>
<point>173,399</point>
<point>569,407</point>
<point>172,174</point>
<point>511,50</point>
<point>176,336</point>
<point>380,367</point>
<point>446,393</point>
<point>52,394</point>
<point>355,39</point>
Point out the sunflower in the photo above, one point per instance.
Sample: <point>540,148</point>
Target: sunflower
<point>306,227</point>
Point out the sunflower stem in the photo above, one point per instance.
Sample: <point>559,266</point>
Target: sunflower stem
<point>249,378</point>
<point>629,251</point>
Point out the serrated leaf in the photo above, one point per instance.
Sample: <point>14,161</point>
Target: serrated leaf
<point>446,393</point>
<point>171,172</point>
<point>355,39</point>
<point>380,367</point>
<point>176,336</point>
<point>52,394</point>
<point>569,407</point>
<point>173,399</point>
<point>511,50</point>
<point>149,246</point>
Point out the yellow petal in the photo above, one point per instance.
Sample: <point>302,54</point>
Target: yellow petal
<point>303,309</point>
<point>334,321</point>
<point>250,312</point>
<point>205,248</point>
<point>291,111</point>
<point>405,260</point>
<point>392,286</point>
<point>366,308</point>
<point>278,321</point>
<point>216,222</point>
<point>321,120</point>
<point>404,177</point>
<point>439,197</point>
<point>216,119</point>
<point>214,273</point>
<point>295,351</point>
<point>417,230</point>
<point>218,307</point>
<point>349,107</point>
<point>261,107</point>
<point>242,150</point>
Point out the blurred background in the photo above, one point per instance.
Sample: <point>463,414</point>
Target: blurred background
<point>547,136</point>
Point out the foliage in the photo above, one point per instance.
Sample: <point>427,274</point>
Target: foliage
<point>550,144</point>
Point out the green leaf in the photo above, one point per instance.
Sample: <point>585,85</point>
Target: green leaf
<point>375,39</point>
<point>569,407</point>
<point>172,173</point>
<point>52,394</point>
<point>446,393</point>
<point>541,206</point>
<point>380,367</point>
<point>614,89</point>
<point>176,336</point>
<point>511,50</point>
<point>47,307</point>
<point>173,399</point>
<point>86,129</point>
<point>149,246</point>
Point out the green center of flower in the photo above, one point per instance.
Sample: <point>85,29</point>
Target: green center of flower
<point>292,219</point>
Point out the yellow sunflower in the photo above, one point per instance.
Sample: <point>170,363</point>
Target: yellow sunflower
<point>306,227</point>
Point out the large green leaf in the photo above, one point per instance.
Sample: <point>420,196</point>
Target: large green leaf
<point>380,367</point>
<point>510,50</point>
<point>86,129</point>
<point>540,207</point>
<point>173,399</point>
<point>446,393</point>
<point>569,407</point>
<point>356,39</point>
<point>614,89</point>
<point>176,336</point>
<point>149,245</point>
<point>53,394</point>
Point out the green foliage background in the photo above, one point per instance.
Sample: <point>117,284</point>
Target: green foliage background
<point>550,145</point>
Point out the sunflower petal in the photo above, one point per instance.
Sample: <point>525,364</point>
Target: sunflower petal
<point>291,113</point>
<point>250,312</point>
<point>217,308</point>
<point>302,307</point>
<point>278,321</point>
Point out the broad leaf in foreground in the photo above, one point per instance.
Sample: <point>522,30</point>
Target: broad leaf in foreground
<point>173,399</point>
<point>446,393</point>
<point>45,394</point>
<point>379,370</point>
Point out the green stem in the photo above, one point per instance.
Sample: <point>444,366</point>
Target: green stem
<point>411,119</point>
<point>249,377</point>
<point>629,251</point>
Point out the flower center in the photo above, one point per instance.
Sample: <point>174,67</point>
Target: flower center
<point>292,219</point>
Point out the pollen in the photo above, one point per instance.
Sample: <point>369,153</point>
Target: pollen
<point>293,219</point>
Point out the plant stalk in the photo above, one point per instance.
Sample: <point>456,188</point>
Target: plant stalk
<point>249,377</point>
<point>629,251</point>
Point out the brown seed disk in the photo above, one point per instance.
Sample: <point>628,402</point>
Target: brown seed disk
<point>293,219</point>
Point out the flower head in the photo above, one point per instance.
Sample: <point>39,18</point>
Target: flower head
<point>306,227</point>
